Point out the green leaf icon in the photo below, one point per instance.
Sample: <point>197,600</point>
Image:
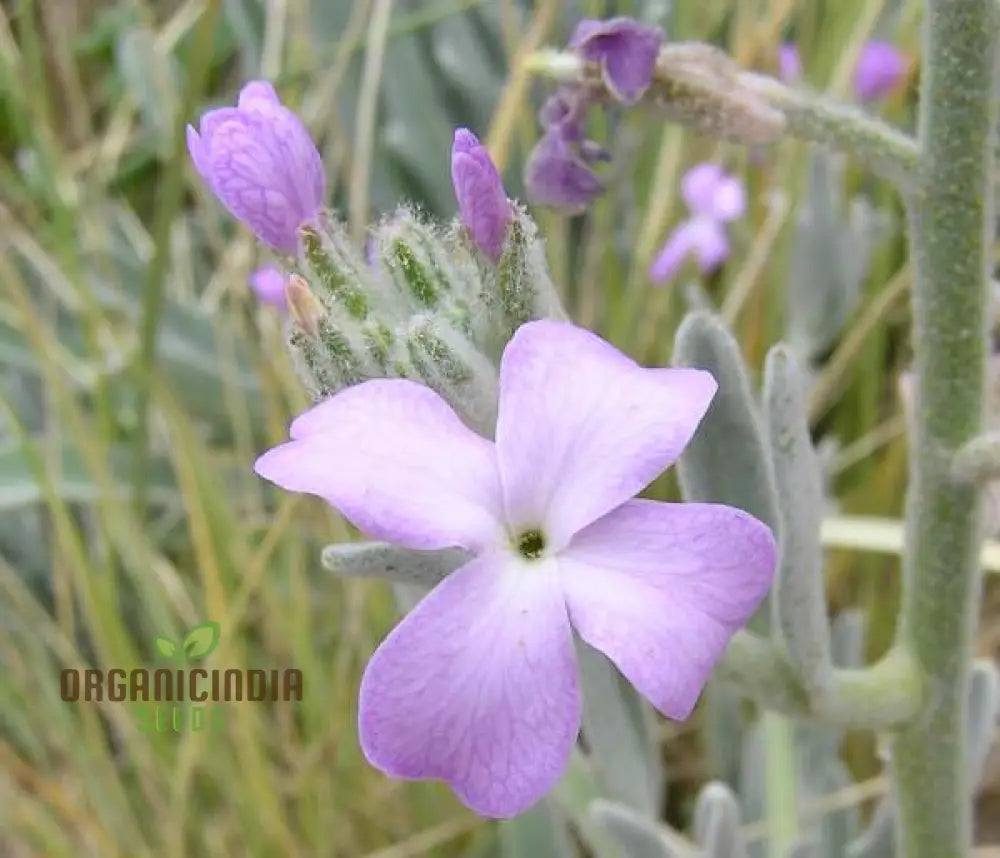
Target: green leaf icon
<point>201,640</point>
<point>165,647</point>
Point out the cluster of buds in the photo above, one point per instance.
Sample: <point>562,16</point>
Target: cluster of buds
<point>423,301</point>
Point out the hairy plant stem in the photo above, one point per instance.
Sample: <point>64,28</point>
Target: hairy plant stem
<point>881,696</point>
<point>950,219</point>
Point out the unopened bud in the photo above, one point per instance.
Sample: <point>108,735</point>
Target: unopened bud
<point>449,364</point>
<point>304,307</point>
<point>525,290</point>
<point>334,268</point>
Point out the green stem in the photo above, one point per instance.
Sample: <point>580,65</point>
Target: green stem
<point>781,784</point>
<point>879,697</point>
<point>951,222</point>
<point>822,120</point>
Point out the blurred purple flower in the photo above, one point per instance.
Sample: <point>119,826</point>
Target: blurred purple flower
<point>478,685</point>
<point>789,63</point>
<point>260,161</point>
<point>482,201</point>
<point>269,285</point>
<point>881,68</point>
<point>625,50</point>
<point>558,171</point>
<point>714,199</point>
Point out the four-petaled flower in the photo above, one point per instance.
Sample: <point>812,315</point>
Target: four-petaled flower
<point>714,198</point>
<point>478,685</point>
<point>268,284</point>
<point>625,50</point>
<point>880,69</point>
<point>260,161</point>
<point>483,206</point>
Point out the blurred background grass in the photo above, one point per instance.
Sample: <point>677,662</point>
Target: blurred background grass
<point>139,378</point>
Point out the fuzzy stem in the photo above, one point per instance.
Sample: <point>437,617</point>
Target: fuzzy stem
<point>950,220</point>
<point>822,120</point>
<point>878,697</point>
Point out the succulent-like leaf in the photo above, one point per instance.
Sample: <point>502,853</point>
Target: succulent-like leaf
<point>727,460</point>
<point>638,835</point>
<point>541,831</point>
<point>392,563</point>
<point>201,640</point>
<point>799,595</point>
<point>623,752</point>
<point>717,822</point>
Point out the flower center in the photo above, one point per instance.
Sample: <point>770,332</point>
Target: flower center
<point>531,544</point>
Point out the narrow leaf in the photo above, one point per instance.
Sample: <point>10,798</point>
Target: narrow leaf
<point>391,563</point>
<point>799,595</point>
<point>639,836</point>
<point>623,752</point>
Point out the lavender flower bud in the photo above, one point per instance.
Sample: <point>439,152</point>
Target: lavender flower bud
<point>624,49</point>
<point>268,283</point>
<point>789,63</point>
<point>260,161</point>
<point>880,69</point>
<point>482,200</point>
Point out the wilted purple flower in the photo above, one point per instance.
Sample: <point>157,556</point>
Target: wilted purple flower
<point>625,50</point>
<point>482,201</point>
<point>478,685</point>
<point>880,69</point>
<point>269,285</point>
<point>260,161</point>
<point>558,171</point>
<point>714,199</point>
<point>789,63</point>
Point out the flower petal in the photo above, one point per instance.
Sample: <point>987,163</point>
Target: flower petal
<point>880,69</point>
<point>679,244</point>
<point>395,460</point>
<point>557,175</point>
<point>789,62</point>
<point>710,243</point>
<point>477,686</point>
<point>698,186</point>
<point>730,200</point>
<point>266,170</point>
<point>268,284</point>
<point>626,50</point>
<point>660,588</point>
<point>582,427</point>
<point>257,93</point>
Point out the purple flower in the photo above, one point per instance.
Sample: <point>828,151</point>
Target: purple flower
<point>880,69</point>
<point>625,50</point>
<point>789,63</point>
<point>478,685</point>
<point>482,201</point>
<point>269,285</point>
<point>260,161</point>
<point>714,199</point>
<point>558,171</point>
